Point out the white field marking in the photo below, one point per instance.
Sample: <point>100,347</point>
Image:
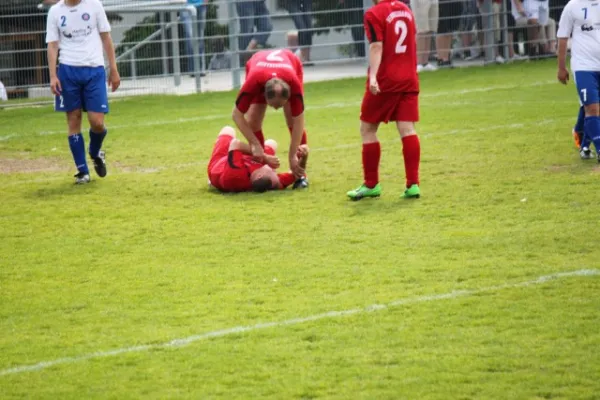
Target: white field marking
<point>308,108</point>
<point>149,170</point>
<point>295,321</point>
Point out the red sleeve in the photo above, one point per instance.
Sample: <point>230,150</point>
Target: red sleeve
<point>235,159</point>
<point>373,27</point>
<point>250,88</point>
<point>286,179</point>
<point>296,97</point>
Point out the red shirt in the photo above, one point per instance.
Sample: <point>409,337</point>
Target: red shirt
<point>268,64</point>
<point>392,23</point>
<point>235,170</point>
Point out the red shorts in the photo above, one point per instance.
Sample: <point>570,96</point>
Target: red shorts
<point>217,164</point>
<point>386,107</point>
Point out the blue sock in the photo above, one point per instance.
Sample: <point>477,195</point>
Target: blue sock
<point>592,131</point>
<point>580,127</point>
<point>96,140</point>
<point>78,150</point>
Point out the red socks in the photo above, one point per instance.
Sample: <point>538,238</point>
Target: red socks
<point>261,137</point>
<point>371,154</point>
<point>411,149</point>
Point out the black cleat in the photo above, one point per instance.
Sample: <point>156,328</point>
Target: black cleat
<point>81,178</point>
<point>301,183</point>
<point>100,164</point>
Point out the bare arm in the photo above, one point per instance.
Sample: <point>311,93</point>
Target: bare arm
<point>375,52</point>
<point>244,127</point>
<point>563,73</point>
<point>52,63</point>
<point>109,48</point>
<point>245,148</point>
<point>297,132</point>
<point>562,53</point>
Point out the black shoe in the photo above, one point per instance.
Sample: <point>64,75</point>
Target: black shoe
<point>301,183</point>
<point>100,164</point>
<point>445,64</point>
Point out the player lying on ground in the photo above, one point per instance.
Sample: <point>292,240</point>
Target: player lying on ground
<point>580,20</point>
<point>392,94</point>
<point>232,168</point>
<point>273,78</point>
<point>80,30</point>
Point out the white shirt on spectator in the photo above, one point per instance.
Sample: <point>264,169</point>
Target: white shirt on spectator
<point>77,31</point>
<point>3,94</point>
<point>581,18</point>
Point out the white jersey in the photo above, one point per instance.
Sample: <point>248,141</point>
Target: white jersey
<point>581,18</point>
<point>77,31</point>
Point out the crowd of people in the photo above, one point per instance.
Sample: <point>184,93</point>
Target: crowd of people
<point>446,29</point>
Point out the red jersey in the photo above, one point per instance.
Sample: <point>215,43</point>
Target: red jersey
<point>268,64</point>
<point>234,173</point>
<point>392,23</point>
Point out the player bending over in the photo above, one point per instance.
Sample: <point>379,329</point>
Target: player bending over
<point>392,94</point>
<point>232,168</point>
<point>580,20</point>
<point>80,30</point>
<point>273,78</point>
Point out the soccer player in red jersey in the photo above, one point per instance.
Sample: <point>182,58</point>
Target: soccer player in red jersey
<point>232,168</point>
<point>273,78</point>
<point>392,93</point>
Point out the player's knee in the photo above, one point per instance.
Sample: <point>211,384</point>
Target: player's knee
<point>74,121</point>
<point>96,123</point>
<point>227,131</point>
<point>406,128</point>
<point>368,132</point>
<point>592,110</point>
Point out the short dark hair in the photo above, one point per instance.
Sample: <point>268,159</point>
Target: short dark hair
<point>262,184</point>
<point>271,89</point>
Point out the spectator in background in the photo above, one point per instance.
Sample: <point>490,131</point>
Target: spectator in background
<point>468,21</point>
<point>187,20</point>
<point>301,13</point>
<point>548,37</point>
<point>426,21</point>
<point>354,18</point>
<point>536,12</point>
<point>450,12</point>
<point>496,26</point>
<point>253,13</point>
<point>221,59</point>
<point>3,94</point>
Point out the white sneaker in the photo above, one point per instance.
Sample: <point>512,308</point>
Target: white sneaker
<point>419,68</point>
<point>585,153</point>
<point>500,60</point>
<point>81,178</point>
<point>430,67</point>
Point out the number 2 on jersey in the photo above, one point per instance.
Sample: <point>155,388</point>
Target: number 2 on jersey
<point>401,29</point>
<point>274,56</point>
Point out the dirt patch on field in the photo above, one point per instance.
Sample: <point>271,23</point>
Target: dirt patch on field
<point>24,165</point>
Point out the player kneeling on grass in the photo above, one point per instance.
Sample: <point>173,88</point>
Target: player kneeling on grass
<point>392,94</point>
<point>232,168</point>
<point>80,30</point>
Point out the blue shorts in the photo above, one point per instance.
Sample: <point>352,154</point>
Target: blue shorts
<point>82,88</point>
<point>588,87</point>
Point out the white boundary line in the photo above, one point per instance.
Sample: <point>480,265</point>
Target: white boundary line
<point>295,321</point>
<point>150,170</point>
<point>308,108</point>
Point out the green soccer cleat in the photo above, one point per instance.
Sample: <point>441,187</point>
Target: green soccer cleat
<point>412,192</point>
<point>363,191</point>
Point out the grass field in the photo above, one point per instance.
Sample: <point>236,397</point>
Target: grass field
<point>147,284</point>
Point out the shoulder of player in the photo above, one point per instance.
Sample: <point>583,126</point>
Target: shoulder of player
<point>56,8</point>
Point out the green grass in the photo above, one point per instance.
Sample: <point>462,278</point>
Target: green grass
<point>150,254</point>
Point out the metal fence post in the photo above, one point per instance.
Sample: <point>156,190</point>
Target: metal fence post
<point>175,45</point>
<point>133,67</point>
<point>366,5</point>
<point>163,42</point>
<point>196,46</point>
<point>234,24</point>
<point>506,43</point>
<point>488,30</point>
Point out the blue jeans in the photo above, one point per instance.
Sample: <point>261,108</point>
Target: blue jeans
<point>301,12</point>
<point>187,21</point>
<point>253,13</point>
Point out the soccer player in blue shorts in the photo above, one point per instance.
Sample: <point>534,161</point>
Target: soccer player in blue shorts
<point>80,30</point>
<point>580,20</point>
